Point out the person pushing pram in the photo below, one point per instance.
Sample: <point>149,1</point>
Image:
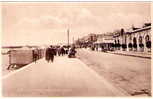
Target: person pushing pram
<point>72,52</point>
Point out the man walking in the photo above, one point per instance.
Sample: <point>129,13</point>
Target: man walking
<point>35,55</point>
<point>47,56</point>
<point>50,52</point>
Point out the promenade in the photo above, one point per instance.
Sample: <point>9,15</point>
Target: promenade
<point>132,53</point>
<point>64,77</point>
<point>131,73</point>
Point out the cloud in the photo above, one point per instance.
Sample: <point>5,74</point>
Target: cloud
<point>42,23</point>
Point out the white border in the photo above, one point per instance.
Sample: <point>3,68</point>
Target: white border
<point>69,1</point>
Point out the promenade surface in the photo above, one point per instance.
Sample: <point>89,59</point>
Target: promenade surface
<point>132,53</point>
<point>131,73</point>
<point>64,77</point>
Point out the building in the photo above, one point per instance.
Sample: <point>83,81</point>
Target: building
<point>104,41</point>
<point>138,39</point>
<point>86,41</point>
<point>135,39</point>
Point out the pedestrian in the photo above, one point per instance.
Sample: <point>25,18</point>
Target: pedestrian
<point>62,51</point>
<point>51,53</point>
<point>72,52</point>
<point>97,48</point>
<point>55,50</point>
<point>34,51</point>
<point>66,51</point>
<point>47,56</point>
<point>59,51</point>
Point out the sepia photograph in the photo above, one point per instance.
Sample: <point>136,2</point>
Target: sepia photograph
<point>76,49</point>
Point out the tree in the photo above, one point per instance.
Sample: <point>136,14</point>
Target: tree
<point>148,44</point>
<point>135,45</point>
<point>130,45</point>
<point>113,45</point>
<point>124,46</point>
<point>141,45</point>
<point>118,45</point>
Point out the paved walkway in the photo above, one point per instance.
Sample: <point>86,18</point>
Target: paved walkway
<point>64,77</point>
<point>129,53</point>
<point>132,53</point>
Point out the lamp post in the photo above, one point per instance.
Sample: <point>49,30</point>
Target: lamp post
<point>68,37</point>
<point>73,40</point>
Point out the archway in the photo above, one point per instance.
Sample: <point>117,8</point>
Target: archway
<point>130,43</point>
<point>148,42</point>
<point>147,38</point>
<point>135,43</point>
<point>141,45</point>
<point>115,44</point>
<point>118,44</point>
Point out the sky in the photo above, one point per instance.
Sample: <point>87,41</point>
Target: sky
<point>38,23</point>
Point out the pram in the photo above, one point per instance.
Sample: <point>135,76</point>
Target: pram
<point>71,53</point>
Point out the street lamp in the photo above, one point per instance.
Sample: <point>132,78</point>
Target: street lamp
<point>68,37</point>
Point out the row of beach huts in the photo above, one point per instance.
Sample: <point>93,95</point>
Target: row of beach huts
<point>20,56</point>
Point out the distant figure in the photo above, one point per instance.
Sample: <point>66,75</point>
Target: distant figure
<point>62,51</point>
<point>96,48</point>
<point>92,48</point>
<point>35,55</point>
<point>66,51</point>
<point>50,52</point>
<point>59,51</point>
<point>72,52</point>
<point>55,51</point>
<point>47,54</point>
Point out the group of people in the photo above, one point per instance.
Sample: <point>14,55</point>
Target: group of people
<point>37,54</point>
<point>62,51</point>
<point>50,52</point>
<point>54,51</point>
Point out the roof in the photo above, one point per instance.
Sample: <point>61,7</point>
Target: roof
<point>139,30</point>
